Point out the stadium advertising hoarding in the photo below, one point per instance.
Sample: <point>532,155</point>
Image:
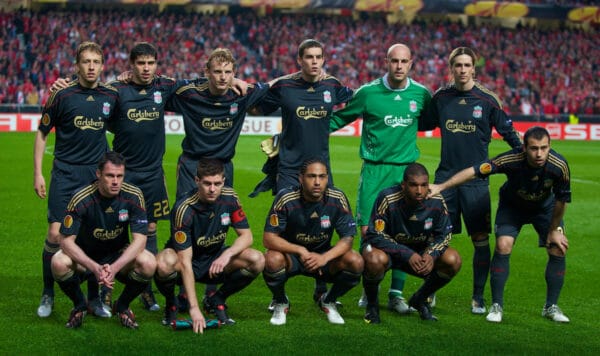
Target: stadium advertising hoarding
<point>270,125</point>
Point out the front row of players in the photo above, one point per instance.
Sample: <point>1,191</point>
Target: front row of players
<point>409,229</point>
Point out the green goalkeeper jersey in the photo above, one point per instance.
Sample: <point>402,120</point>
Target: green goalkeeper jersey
<point>390,120</point>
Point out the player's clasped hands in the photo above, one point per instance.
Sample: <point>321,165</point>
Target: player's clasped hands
<point>423,265</point>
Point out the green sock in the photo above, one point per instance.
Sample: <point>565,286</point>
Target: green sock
<point>398,280</point>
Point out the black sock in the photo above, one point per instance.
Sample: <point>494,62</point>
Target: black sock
<point>92,287</point>
<point>555,278</point>
<point>70,286</point>
<point>135,284</point>
<point>481,268</point>
<point>166,286</point>
<point>433,282</point>
<point>49,250</point>
<point>276,283</point>
<point>499,271</point>
<point>320,287</point>
<point>343,282</point>
<point>371,287</point>
<point>236,281</point>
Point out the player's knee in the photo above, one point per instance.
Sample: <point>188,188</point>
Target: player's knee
<point>452,262</point>
<point>274,260</point>
<point>256,261</point>
<point>555,251</point>
<point>504,244</point>
<point>60,265</point>
<point>165,262</point>
<point>353,262</point>
<point>146,263</point>
<point>375,261</point>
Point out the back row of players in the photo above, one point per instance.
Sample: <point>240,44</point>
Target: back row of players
<point>404,228</point>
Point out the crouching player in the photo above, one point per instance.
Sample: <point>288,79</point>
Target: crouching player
<point>95,239</point>
<point>196,251</point>
<point>298,235</point>
<point>409,232</point>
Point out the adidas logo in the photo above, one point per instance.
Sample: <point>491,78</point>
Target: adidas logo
<point>109,210</point>
<point>462,102</point>
<point>397,97</point>
<point>314,215</point>
<point>310,90</point>
<point>212,215</point>
<point>90,98</point>
<point>413,218</point>
<point>143,92</point>
<point>535,179</point>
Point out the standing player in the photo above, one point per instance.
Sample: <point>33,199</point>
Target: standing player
<point>306,100</point>
<point>298,235</point>
<point>78,114</point>
<point>536,192</point>
<point>466,112</point>
<point>411,233</point>
<point>213,116</point>
<point>139,129</point>
<point>197,252</point>
<point>95,240</point>
<point>391,109</point>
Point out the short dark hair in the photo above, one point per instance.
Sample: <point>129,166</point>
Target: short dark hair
<point>209,167</point>
<point>310,161</point>
<point>309,43</point>
<point>142,49</point>
<point>536,132</point>
<point>460,51</point>
<point>113,157</point>
<point>414,169</point>
<point>88,46</point>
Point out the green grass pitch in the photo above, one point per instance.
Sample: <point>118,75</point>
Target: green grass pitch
<point>523,331</point>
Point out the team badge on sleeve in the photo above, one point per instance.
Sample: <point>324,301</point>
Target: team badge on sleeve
<point>123,215</point>
<point>273,220</point>
<point>180,237</point>
<point>225,219</point>
<point>46,119</point>
<point>379,225</point>
<point>485,168</point>
<point>68,221</point>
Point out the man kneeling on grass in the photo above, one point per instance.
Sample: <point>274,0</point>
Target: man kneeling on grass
<point>409,232</point>
<point>95,240</point>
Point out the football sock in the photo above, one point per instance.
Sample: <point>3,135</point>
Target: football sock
<point>237,281</point>
<point>371,287</point>
<point>70,286</point>
<point>498,276</point>
<point>555,277</point>
<point>276,283</point>
<point>343,282</point>
<point>433,282</point>
<point>166,286</point>
<point>92,287</point>
<point>320,287</point>
<point>397,286</point>
<point>135,284</point>
<point>49,250</point>
<point>481,267</point>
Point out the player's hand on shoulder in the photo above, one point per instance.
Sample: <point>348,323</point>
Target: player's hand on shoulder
<point>434,189</point>
<point>60,83</point>
<point>125,77</point>
<point>239,87</point>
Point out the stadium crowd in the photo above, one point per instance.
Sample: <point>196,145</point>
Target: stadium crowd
<point>534,71</point>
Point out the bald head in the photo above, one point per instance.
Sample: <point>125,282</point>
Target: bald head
<point>399,63</point>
